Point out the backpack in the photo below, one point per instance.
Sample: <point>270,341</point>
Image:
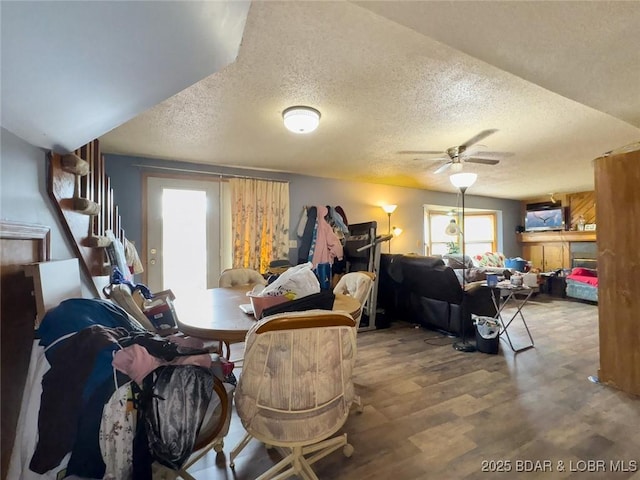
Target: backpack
<point>172,405</point>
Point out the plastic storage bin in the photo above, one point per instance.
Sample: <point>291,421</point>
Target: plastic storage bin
<point>260,303</point>
<point>516,263</point>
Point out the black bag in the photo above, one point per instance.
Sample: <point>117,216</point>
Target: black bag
<point>173,403</point>
<point>322,300</point>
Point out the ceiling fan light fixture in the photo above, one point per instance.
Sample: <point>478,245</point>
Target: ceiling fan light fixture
<point>301,119</point>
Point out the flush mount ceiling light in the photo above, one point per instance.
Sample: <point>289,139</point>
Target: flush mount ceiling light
<point>301,119</point>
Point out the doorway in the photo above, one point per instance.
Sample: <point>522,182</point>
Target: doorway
<point>188,234</point>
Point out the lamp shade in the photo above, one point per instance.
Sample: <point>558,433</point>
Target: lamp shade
<point>389,208</point>
<point>452,229</point>
<point>463,180</point>
<point>301,119</point>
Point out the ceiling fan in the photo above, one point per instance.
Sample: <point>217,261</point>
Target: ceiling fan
<point>460,153</point>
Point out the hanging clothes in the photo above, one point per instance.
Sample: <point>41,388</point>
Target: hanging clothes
<point>338,225</point>
<point>327,246</point>
<point>343,215</point>
<point>132,258</point>
<point>302,223</point>
<point>307,237</point>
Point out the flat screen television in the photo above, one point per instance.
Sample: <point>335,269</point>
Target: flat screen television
<point>544,219</point>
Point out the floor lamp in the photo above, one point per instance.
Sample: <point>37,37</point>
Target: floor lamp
<point>389,209</point>
<point>462,181</point>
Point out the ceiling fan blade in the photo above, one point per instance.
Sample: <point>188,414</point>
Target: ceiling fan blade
<point>442,167</point>
<point>421,152</point>
<point>485,154</point>
<point>483,134</point>
<point>486,161</point>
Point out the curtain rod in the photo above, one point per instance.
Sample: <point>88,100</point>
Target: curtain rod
<point>205,172</point>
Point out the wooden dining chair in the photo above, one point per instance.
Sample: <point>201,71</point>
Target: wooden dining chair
<point>215,426</point>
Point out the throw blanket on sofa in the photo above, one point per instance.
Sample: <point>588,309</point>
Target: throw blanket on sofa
<point>584,275</point>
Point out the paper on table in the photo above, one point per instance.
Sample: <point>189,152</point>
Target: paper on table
<point>247,308</point>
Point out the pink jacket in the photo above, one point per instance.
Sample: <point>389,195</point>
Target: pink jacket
<point>328,244</point>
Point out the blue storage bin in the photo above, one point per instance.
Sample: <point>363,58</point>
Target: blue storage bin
<point>518,265</point>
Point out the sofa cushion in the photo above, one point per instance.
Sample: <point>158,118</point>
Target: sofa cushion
<point>454,260</point>
<point>431,278</point>
<point>490,259</point>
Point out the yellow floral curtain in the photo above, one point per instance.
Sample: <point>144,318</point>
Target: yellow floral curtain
<point>260,222</point>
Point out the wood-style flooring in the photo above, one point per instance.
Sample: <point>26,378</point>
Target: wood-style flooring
<point>432,412</point>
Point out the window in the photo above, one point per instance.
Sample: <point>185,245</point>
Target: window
<point>480,232</point>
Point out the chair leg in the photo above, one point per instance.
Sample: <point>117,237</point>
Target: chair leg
<point>297,459</point>
<point>306,472</point>
<point>185,475</point>
<point>357,401</point>
<point>238,448</point>
<point>227,348</point>
<point>326,447</point>
<point>217,446</point>
<point>276,472</point>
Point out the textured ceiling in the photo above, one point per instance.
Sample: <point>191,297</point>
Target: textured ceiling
<point>560,81</point>
<point>72,71</point>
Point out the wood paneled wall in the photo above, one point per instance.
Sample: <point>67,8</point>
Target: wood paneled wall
<point>583,203</point>
<point>580,203</point>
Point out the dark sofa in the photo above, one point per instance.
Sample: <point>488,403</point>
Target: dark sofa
<point>423,290</point>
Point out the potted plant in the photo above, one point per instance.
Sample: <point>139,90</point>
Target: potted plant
<point>453,247</point>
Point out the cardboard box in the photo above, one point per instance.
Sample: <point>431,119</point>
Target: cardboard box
<point>162,316</point>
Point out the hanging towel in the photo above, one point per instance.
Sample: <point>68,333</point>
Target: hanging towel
<point>132,258</point>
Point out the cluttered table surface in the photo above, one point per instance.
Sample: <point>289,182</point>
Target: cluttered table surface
<point>215,314</point>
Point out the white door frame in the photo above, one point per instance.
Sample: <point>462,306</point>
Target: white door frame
<point>153,186</point>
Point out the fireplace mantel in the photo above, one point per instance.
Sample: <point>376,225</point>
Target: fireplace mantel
<point>557,236</point>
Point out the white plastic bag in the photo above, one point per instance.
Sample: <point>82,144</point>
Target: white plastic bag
<point>296,282</point>
<point>488,327</point>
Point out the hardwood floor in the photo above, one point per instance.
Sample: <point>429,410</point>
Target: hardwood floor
<point>433,412</point>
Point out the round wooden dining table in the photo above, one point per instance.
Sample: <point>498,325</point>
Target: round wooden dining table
<point>215,314</point>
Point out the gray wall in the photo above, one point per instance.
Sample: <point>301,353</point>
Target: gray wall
<point>23,192</point>
<point>360,201</point>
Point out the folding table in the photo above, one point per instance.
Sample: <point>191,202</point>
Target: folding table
<point>519,302</point>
